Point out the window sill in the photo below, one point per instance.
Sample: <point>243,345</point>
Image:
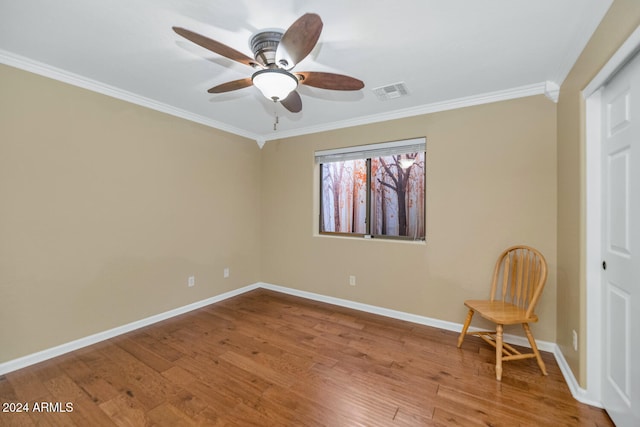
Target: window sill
<point>371,239</point>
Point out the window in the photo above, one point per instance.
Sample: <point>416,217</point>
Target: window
<point>375,190</point>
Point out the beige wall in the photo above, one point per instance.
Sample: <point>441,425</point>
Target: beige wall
<point>621,20</point>
<point>491,183</point>
<point>106,208</point>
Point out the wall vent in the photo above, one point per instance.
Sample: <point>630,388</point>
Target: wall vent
<point>396,90</point>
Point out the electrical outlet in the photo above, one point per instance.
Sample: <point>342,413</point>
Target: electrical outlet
<point>225,273</point>
<point>352,280</point>
<point>191,281</point>
<point>575,340</point>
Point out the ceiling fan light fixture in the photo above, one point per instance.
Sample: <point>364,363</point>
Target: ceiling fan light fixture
<point>275,83</point>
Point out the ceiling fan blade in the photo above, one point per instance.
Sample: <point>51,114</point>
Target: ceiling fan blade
<point>329,80</point>
<point>217,47</point>
<point>292,102</point>
<point>299,40</point>
<point>229,86</point>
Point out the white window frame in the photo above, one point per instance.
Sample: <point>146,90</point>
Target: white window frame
<point>369,151</point>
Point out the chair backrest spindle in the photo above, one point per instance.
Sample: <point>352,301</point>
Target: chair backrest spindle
<point>519,277</point>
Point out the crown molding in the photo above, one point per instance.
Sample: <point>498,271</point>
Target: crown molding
<point>469,101</point>
<point>552,90</point>
<point>45,70</point>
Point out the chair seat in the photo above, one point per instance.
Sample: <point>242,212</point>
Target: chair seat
<point>500,312</point>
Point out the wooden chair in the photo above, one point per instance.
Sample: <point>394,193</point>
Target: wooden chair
<point>518,280</point>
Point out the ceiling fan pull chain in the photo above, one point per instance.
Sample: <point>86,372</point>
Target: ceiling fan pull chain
<point>276,119</point>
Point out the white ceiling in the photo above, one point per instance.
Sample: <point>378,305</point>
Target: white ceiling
<point>448,53</point>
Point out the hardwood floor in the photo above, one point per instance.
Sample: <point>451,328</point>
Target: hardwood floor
<point>269,359</point>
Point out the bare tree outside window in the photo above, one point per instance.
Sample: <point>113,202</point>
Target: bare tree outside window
<point>381,196</point>
<point>344,201</point>
<point>397,195</point>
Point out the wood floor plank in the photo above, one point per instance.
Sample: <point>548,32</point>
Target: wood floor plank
<point>167,414</point>
<point>149,358</point>
<point>27,385</point>
<point>66,391</point>
<point>268,359</point>
<point>125,411</point>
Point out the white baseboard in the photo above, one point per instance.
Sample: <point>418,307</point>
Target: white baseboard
<point>401,315</point>
<point>578,393</point>
<point>41,356</point>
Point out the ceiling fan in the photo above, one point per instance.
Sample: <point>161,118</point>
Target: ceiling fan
<point>275,55</point>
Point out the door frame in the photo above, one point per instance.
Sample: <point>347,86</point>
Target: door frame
<point>593,216</point>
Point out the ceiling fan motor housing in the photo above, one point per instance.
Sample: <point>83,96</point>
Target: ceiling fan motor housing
<point>264,45</point>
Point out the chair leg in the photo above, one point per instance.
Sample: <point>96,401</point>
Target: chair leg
<point>534,347</point>
<point>467,322</point>
<point>499,329</point>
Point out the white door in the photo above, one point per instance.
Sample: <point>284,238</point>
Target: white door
<point>621,245</point>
